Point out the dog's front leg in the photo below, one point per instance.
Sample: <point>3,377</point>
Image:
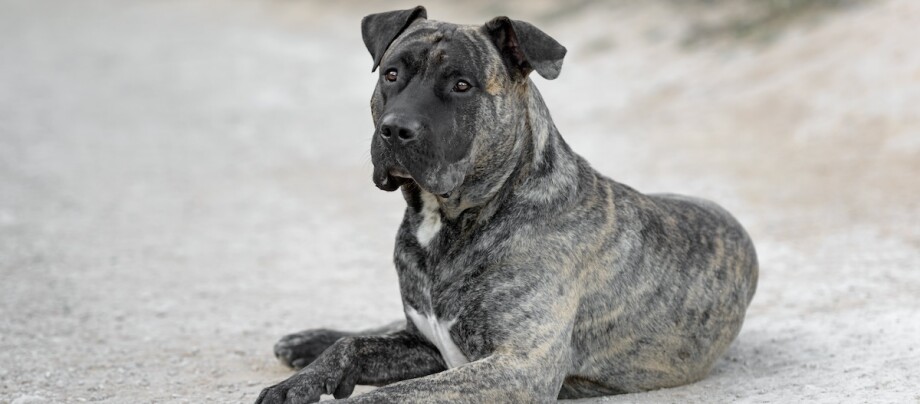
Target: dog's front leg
<point>370,360</point>
<point>299,349</point>
<point>531,355</point>
<point>500,378</point>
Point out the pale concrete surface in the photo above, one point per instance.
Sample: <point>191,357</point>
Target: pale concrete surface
<point>181,183</point>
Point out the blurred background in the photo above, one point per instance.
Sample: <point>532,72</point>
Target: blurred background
<point>183,182</point>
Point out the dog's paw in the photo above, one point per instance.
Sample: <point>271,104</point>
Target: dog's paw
<point>299,389</point>
<point>300,349</point>
<point>307,386</point>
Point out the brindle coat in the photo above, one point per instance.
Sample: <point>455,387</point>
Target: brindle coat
<point>525,274</point>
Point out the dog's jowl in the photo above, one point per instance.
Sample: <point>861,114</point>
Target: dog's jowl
<point>525,275</point>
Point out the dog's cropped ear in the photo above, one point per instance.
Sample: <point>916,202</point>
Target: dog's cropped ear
<point>379,30</point>
<point>525,48</point>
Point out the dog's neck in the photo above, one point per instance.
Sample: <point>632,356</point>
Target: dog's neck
<point>550,169</point>
<point>539,168</point>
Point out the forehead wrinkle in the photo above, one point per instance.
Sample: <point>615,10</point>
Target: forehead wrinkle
<point>418,30</point>
<point>437,56</point>
<point>455,50</point>
<point>434,48</point>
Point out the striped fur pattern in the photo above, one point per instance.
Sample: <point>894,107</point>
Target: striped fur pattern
<point>549,279</point>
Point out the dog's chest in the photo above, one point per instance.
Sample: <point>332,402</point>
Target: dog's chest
<point>438,333</point>
<point>430,224</point>
<point>424,285</point>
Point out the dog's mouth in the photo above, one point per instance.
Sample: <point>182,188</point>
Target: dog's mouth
<point>399,172</point>
<point>396,176</point>
<point>426,169</point>
<point>390,179</point>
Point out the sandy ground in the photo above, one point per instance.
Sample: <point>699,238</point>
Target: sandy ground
<point>181,183</point>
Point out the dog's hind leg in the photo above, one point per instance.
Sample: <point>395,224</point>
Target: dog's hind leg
<point>299,349</point>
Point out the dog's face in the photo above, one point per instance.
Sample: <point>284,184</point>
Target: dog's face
<point>429,106</point>
<point>444,95</point>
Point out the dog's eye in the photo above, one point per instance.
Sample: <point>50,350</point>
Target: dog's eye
<point>462,86</point>
<point>391,75</point>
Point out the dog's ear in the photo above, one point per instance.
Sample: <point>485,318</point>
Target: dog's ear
<point>379,30</point>
<point>525,48</point>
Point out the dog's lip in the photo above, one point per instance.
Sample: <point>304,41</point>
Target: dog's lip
<point>400,176</point>
<point>390,179</point>
<point>399,172</point>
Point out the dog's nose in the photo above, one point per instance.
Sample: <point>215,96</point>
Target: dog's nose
<point>400,128</point>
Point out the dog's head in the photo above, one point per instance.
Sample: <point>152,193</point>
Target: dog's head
<point>450,97</point>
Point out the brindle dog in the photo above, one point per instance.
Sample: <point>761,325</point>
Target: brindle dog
<point>525,275</point>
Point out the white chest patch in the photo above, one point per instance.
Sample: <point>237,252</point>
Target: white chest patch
<point>438,332</point>
<point>431,220</point>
